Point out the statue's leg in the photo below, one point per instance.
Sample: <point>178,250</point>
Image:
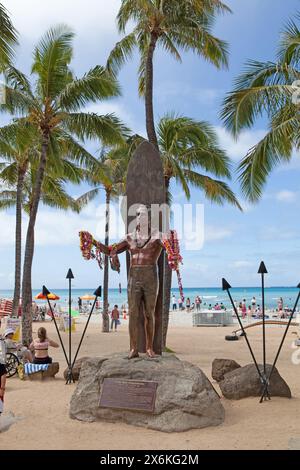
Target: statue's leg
<point>150,289</point>
<point>134,300</point>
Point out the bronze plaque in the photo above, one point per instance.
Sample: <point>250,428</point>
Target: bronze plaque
<point>128,394</point>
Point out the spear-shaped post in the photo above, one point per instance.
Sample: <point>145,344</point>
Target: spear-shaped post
<point>262,271</point>
<point>226,287</point>
<point>281,344</point>
<point>46,292</point>
<point>70,276</point>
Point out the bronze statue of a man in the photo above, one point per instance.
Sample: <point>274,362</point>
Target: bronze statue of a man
<point>144,246</point>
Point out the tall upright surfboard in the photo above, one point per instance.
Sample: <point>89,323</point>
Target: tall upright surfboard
<point>145,185</point>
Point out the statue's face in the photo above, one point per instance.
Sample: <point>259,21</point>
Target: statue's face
<point>143,221</point>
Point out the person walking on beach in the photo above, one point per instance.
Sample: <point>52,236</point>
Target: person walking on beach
<point>244,309</point>
<point>180,303</point>
<point>253,305</point>
<point>40,347</point>
<point>188,304</point>
<point>198,303</point>
<point>79,304</point>
<point>174,302</point>
<point>115,315</point>
<point>280,305</point>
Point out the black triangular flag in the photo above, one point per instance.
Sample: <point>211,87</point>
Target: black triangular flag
<point>225,284</point>
<point>45,291</point>
<point>262,268</point>
<point>98,292</point>
<point>69,274</point>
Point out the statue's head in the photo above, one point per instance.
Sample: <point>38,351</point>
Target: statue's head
<point>143,219</point>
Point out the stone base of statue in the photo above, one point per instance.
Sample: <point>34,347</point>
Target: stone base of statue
<point>163,393</point>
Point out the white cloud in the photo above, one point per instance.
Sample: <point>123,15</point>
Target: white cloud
<point>277,233</point>
<point>287,196</point>
<point>58,228</point>
<point>33,17</point>
<point>238,149</point>
<point>213,233</point>
<point>242,264</point>
<point>170,89</point>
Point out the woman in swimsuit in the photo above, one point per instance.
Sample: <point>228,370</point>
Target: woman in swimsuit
<point>40,347</point>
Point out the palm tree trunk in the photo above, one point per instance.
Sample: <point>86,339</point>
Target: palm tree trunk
<point>18,241</point>
<point>167,286</point>
<point>29,247</point>
<point>150,126</point>
<point>105,316</point>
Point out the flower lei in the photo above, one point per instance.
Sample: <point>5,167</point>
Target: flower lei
<point>89,249</point>
<point>171,245</point>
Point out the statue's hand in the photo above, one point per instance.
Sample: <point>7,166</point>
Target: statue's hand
<point>115,262</point>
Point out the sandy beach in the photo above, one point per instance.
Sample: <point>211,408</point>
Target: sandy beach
<point>43,406</point>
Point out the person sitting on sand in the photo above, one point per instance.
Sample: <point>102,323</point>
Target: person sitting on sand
<point>18,349</point>
<point>40,347</point>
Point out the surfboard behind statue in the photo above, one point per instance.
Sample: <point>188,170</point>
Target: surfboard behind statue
<point>145,185</point>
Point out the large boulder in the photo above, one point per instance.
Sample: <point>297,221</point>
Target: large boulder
<point>185,398</point>
<point>245,382</point>
<point>220,367</point>
<point>76,368</point>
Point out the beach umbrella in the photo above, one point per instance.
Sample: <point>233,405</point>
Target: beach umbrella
<point>87,297</point>
<point>50,296</point>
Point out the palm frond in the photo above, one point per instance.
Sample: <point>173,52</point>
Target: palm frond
<point>52,57</point>
<point>97,84</point>
<point>122,51</point>
<point>8,39</point>
<point>215,191</point>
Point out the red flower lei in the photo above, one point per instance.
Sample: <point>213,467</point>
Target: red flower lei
<point>171,245</point>
<point>89,249</point>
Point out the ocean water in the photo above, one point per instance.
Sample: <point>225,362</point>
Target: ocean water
<point>208,295</point>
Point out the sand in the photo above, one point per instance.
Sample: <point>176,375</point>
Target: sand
<point>248,424</point>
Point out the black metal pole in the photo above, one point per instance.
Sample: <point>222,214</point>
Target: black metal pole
<point>70,325</point>
<point>70,276</point>
<point>83,334</point>
<point>57,330</point>
<point>281,344</point>
<point>264,320</point>
<point>262,271</point>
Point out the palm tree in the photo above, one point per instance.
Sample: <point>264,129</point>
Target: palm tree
<point>18,148</point>
<point>8,39</point>
<point>173,25</point>
<point>15,146</point>
<point>114,164</point>
<point>53,107</point>
<point>186,147</point>
<point>267,88</point>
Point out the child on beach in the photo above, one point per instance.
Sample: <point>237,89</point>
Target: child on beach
<point>115,315</point>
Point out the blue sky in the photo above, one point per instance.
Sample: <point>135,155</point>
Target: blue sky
<point>235,242</point>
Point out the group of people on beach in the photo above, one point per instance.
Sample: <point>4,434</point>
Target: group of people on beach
<point>189,307</point>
